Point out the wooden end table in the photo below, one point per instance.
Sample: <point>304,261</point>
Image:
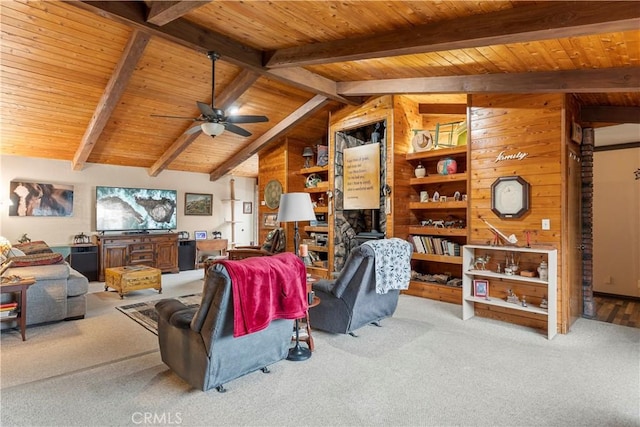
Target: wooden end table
<point>19,286</point>
<point>309,338</point>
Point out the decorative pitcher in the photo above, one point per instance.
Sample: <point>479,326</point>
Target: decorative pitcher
<point>543,271</point>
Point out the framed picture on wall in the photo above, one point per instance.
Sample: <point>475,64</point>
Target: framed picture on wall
<point>270,220</point>
<point>198,204</point>
<point>247,207</point>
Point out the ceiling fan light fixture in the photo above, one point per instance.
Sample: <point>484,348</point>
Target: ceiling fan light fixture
<point>212,129</point>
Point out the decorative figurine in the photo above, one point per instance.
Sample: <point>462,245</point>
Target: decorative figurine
<point>524,301</point>
<point>480,263</point>
<point>543,303</point>
<point>512,298</point>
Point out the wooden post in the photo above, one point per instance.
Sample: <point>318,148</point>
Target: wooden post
<point>233,211</point>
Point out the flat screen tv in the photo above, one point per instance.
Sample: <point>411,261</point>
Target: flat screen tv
<point>135,209</point>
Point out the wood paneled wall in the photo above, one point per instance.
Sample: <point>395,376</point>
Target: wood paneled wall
<point>512,124</point>
<point>405,118</point>
<point>271,167</point>
<point>281,161</point>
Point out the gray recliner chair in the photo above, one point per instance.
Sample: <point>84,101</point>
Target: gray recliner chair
<point>198,343</point>
<point>351,301</point>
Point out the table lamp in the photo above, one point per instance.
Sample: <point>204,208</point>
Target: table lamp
<point>307,153</point>
<point>296,207</point>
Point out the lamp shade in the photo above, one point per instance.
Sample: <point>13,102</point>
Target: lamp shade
<point>307,152</point>
<point>212,129</point>
<point>295,207</point>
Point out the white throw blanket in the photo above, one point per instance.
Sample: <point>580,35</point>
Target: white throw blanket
<point>392,263</point>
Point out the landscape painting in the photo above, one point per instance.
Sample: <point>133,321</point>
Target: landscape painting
<point>38,199</point>
<point>198,204</point>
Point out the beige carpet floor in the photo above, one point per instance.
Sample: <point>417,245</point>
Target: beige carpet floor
<point>424,367</point>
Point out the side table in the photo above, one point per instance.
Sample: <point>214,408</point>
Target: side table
<point>309,338</point>
<point>19,286</point>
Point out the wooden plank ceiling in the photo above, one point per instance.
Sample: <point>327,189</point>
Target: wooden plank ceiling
<point>83,81</point>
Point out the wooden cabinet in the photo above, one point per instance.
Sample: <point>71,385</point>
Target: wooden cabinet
<point>316,181</point>
<point>528,292</point>
<point>155,250</point>
<point>438,224</point>
<point>167,255</point>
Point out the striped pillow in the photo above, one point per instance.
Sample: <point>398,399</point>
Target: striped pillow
<point>37,259</point>
<point>37,247</point>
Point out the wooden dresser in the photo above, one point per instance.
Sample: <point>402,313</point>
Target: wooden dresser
<point>154,250</point>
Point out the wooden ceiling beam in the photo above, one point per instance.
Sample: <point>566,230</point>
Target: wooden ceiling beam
<point>309,108</point>
<point>240,84</point>
<point>550,20</point>
<point>185,33</point>
<point>112,93</point>
<point>442,108</point>
<point>625,79</point>
<point>609,114</point>
<point>163,12</point>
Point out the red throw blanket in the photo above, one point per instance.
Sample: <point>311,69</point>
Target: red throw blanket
<point>266,288</point>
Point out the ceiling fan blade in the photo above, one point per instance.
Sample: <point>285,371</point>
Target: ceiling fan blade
<point>247,119</point>
<point>236,129</point>
<point>193,130</point>
<point>205,109</point>
<point>172,117</point>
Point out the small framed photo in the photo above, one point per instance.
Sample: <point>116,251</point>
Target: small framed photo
<point>576,133</point>
<point>247,207</point>
<point>200,235</point>
<point>480,288</point>
<point>270,220</point>
<point>198,204</point>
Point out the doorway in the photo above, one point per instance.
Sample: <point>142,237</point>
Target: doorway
<point>611,232</point>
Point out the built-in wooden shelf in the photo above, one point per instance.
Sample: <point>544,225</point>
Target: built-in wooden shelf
<point>437,179</point>
<point>437,258</point>
<point>438,205</point>
<point>314,169</point>
<point>435,291</point>
<point>437,231</point>
<point>316,190</point>
<point>314,229</point>
<point>444,152</point>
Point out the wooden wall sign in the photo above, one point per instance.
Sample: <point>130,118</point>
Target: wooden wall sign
<point>515,156</point>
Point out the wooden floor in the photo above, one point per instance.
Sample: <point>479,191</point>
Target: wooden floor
<point>624,312</point>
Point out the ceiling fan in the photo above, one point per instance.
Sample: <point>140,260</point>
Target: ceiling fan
<point>213,119</point>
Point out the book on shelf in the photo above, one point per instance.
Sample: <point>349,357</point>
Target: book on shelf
<point>436,246</point>
<point>8,306</point>
<point>8,313</point>
<point>417,244</point>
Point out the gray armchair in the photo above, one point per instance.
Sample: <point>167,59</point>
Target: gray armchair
<point>351,301</point>
<point>198,343</point>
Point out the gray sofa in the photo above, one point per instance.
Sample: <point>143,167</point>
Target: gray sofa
<point>58,294</point>
<point>198,343</point>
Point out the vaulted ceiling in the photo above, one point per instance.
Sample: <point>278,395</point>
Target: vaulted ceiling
<point>85,81</point>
